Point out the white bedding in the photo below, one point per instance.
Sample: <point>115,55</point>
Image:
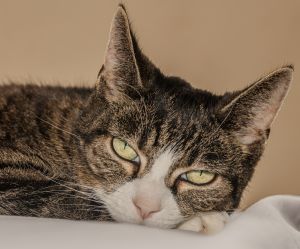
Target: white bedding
<point>273,222</point>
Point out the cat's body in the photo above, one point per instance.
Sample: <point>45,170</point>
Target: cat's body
<point>37,152</point>
<point>140,147</point>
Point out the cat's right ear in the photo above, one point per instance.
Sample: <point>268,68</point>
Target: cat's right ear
<point>250,112</point>
<point>120,70</point>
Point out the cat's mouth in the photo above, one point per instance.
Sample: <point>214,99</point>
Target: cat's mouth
<point>157,222</point>
<point>126,213</point>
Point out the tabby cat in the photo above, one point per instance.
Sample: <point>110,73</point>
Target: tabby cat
<point>140,147</point>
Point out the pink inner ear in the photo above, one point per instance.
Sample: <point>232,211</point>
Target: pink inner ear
<point>262,120</point>
<point>263,113</point>
<point>110,59</point>
<point>248,136</point>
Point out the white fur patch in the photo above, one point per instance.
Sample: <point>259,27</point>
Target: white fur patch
<point>161,165</point>
<point>151,188</point>
<point>208,223</point>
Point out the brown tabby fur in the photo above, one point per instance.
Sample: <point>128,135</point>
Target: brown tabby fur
<point>52,153</point>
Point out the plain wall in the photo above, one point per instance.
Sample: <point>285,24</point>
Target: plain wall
<point>215,45</point>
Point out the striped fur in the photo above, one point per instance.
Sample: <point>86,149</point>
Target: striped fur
<point>56,158</point>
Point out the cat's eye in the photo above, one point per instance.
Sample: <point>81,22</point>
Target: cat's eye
<point>125,151</point>
<point>198,177</point>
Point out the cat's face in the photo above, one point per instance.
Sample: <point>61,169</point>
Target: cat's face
<point>163,152</point>
<point>158,151</point>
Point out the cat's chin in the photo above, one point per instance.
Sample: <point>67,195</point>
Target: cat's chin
<point>206,223</point>
<point>165,224</point>
<point>151,222</point>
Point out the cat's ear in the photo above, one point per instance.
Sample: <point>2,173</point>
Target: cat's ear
<point>120,69</point>
<point>250,112</point>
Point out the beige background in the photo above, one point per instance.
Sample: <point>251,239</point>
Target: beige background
<point>216,45</point>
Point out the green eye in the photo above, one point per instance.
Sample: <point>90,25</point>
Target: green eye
<point>198,177</point>
<point>123,150</point>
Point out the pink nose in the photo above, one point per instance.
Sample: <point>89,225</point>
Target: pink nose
<point>146,208</point>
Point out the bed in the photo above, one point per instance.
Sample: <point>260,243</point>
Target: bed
<point>273,222</point>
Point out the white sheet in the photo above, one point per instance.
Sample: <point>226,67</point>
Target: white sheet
<point>273,222</point>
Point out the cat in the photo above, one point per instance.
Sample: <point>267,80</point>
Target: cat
<point>140,147</point>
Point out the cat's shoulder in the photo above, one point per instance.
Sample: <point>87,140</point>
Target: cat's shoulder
<point>36,90</point>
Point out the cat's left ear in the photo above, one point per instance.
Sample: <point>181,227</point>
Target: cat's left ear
<point>250,112</point>
<point>120,70</point>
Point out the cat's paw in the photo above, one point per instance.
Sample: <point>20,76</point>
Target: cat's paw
<point>208,223</point>
<point>194,225</point>
<point>214,222</point>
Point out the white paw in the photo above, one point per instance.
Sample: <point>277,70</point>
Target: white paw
<point>208,223</point>
<point>213,222</point>
<point>194,224</point>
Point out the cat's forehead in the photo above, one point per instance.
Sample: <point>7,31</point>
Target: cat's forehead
<point>176,111</point>
<point>178,117</point>
<point>155,125</point>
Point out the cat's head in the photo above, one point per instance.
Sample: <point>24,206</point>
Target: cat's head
<point>158,151</point>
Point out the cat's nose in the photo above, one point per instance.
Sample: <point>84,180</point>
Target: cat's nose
<point>146,207</point>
